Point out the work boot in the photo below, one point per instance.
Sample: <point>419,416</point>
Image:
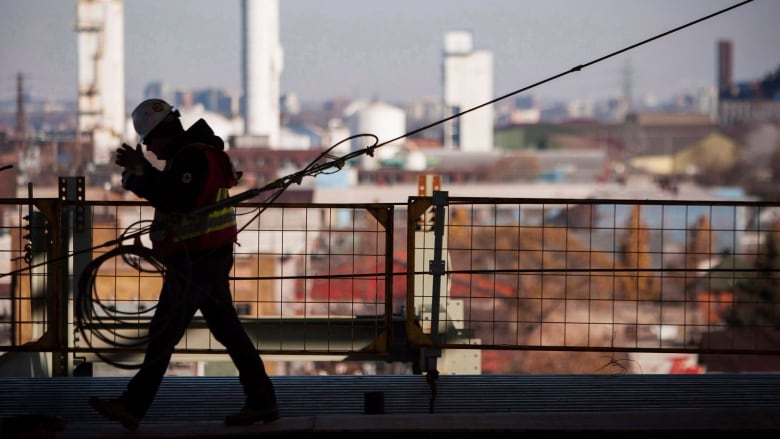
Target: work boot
<point>249,415</point>
<point>115,410</point>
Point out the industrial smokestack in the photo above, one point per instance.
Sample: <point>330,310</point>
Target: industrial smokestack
<point>261,68</point>
<point>21,116</point>
<point>725,68</point>
<point>101,74</point>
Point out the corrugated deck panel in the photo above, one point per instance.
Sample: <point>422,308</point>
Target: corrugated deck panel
<point>193,401</point>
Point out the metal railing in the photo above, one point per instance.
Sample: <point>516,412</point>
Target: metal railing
<point>340,280</point>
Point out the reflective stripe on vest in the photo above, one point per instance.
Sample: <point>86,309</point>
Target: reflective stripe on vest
<point>194,226</point>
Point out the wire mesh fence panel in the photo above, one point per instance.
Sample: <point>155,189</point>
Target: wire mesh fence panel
<point>331,279</point>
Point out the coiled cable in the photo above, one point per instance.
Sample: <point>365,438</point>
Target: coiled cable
<point>96,320</point>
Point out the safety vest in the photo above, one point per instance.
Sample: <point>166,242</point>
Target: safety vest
<point>177,233</point>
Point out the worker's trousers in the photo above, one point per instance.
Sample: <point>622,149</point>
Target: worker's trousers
<point>198,281</point>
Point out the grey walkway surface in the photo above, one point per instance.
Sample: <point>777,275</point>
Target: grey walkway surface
<point>645,405</point>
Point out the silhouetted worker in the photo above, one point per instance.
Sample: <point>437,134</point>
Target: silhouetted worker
<point>197,250</point>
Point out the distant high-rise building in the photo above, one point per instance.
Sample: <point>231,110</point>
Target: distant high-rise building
<point>101,74</point>
<point>468,82</point>
<point>745,102</point>
<point>261,68</point>
<point>160,90</point>
<point>219,100</point>
<point>725,68</point>
<point>627,106</point>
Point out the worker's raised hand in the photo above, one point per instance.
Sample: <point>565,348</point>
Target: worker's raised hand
<point>127,157</point>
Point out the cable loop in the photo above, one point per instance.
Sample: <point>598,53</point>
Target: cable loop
<point>96,320</point>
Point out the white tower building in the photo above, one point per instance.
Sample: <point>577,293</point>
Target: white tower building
<point>262,62</point>
<point>468,82</point>
<point>101,74</point>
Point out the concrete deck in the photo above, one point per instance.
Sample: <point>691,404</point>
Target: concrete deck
<point>463,406</point>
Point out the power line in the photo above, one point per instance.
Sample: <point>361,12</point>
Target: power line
<point>284,182</point>
<point>314,169</point>
<point>574,69</point>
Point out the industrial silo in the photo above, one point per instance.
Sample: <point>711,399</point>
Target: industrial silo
<point>383,120</point>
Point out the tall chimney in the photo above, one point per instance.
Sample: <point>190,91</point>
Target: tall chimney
<point>101,74</point>
<point>725,66</point>
<point>261,68</point>
<point>21,118</point>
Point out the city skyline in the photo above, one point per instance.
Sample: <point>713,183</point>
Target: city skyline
<point>393,50</point>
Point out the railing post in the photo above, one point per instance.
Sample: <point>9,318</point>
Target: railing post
<point>30,320</point>
<point>76,236</point>
<point>436,266</point>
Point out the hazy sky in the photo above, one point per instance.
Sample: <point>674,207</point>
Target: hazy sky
<point>392,49</point>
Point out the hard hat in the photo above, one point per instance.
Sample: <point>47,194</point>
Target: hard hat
<point>148,114</point>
